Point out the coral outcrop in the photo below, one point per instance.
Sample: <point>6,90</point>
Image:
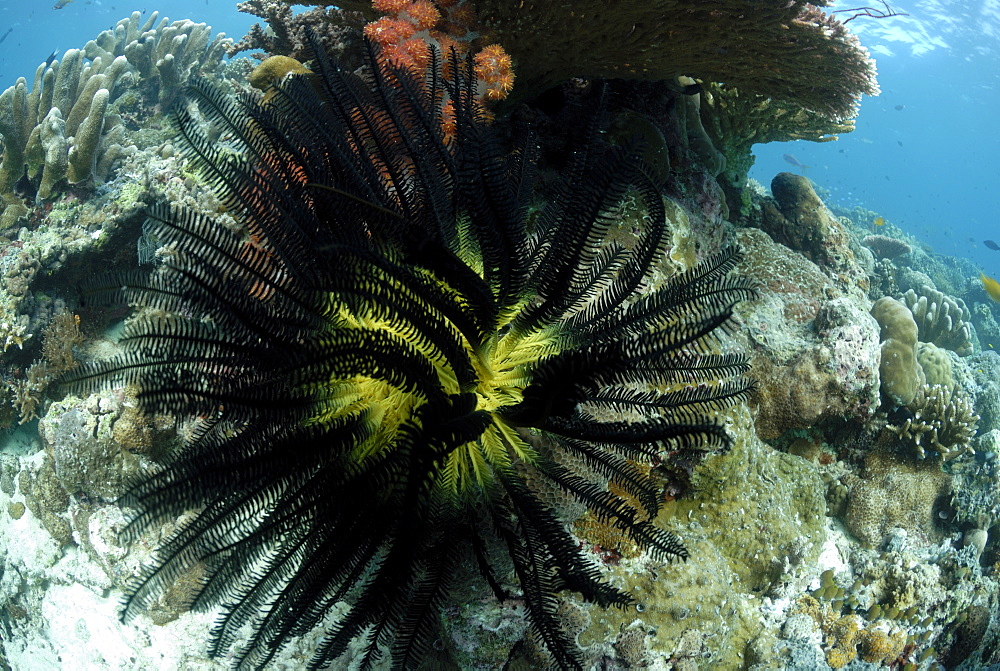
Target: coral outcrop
<point>817,350</point>
<point>799,219</point>
<point>898,367</point>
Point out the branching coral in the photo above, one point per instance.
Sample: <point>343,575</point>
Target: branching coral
<point>370,356</point>
<point>285,34</point>
<point>942,320</point>
<point>161,51</point>
<point>943,420</point>
<point>59,339</point>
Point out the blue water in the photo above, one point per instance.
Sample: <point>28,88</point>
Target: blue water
<point>931,166</point>
<point>924,154</point>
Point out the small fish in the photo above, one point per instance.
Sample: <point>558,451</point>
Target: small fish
<point>4,36</point>
<point>791,160</point>
<point>900,108</point>
<point>991,286</point>
<point>879,221</point>
<point>61,4</point>
<point>992,245</point>
<point>52,57</point>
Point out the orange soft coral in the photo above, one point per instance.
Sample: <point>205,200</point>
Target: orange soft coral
<point>410,26</point>
<point>424,14</point>
<point>493,65</point>
<point>388,31</point>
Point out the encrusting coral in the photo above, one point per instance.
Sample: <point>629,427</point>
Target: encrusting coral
<point>886,247</point>
<point>894,492</point>
<point>374,350</point>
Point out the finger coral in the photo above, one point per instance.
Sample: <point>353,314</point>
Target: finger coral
<point>942,320</point>
<point>64,126</point>
<point>391,358</point>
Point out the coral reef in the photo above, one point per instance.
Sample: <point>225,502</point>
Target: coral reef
<point>861,534</point>
<point>661,41</point>
<point>816,352</point>
<point>735,121</point>
<point>407,353</point>
<point>65,128</point>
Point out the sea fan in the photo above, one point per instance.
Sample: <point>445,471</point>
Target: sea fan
<point>393,356</point>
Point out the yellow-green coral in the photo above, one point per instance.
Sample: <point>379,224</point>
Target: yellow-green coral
<point>273,69</point>
<point>879,646</point>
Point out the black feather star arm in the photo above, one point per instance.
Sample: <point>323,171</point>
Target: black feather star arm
<point>387,360</point>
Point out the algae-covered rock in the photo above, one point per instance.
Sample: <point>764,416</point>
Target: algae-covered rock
<point>755,525</point>
<point>817,351</point>
<point>78,436</point>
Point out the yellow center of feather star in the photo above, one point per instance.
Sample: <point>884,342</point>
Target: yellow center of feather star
<point>501,367</point>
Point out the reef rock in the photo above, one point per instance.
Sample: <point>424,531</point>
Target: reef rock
<point>798,219</point>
